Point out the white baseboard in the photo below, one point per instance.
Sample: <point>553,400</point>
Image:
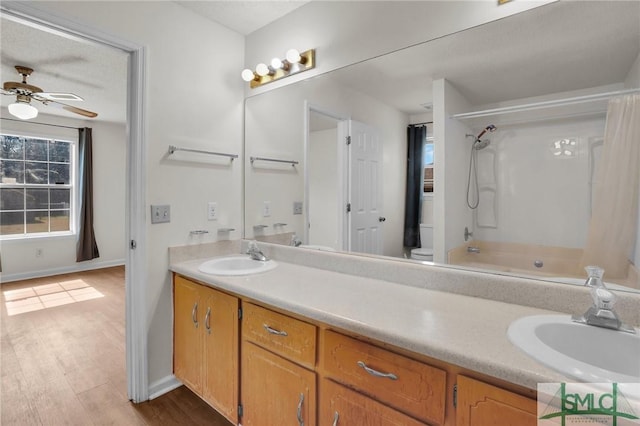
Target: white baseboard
<point>78,267</point>
<point>162,386</point>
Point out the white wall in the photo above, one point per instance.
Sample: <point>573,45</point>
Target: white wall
<point>633,76</point>
<point>280,134</point>
<point>451,162</point>
<point>59,253</point>
<point>346,32</point>
<point>323,184</point>
<point>194,98</point>
<point>542,198</point>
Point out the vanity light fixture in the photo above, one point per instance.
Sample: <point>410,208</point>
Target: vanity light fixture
<point>294,63</point>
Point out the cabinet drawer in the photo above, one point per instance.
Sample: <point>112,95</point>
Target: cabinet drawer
<point>286,336</point>
<point>342,406</point>
<point>408,385</point>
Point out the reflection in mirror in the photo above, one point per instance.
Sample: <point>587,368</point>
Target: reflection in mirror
<point>553,93</point>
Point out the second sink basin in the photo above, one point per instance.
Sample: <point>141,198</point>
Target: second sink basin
<point>580,351</point>
<point>236,265</point>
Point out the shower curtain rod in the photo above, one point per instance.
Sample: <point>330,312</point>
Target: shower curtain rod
<point>544,104</point>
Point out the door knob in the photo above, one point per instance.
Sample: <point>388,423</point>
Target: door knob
<point>382,219</point>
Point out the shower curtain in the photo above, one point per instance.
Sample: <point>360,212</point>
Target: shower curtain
<point>416,135</point>
<point>614,216</point>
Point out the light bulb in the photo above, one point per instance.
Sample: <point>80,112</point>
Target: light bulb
<point>276,63</point>
<point>23,110</point>
<point>293,56</point>
<point>262,69</point>
<point>248,75</point>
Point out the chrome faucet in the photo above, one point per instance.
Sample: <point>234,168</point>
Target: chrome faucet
<point>601,313</point>
<point>255,253</point>
<point>295,241</point>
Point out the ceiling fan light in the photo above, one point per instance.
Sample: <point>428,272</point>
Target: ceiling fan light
<point>23,111</point>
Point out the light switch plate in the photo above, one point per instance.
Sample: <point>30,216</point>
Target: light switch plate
<point>266,209</point>
<point>297,207</point>
<point>160,213</point>
<point>212,211</point>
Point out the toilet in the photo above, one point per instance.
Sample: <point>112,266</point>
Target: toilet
<point>425,252</point>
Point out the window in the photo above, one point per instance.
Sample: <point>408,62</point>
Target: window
<point>36,186</point>
<point>427,152</point>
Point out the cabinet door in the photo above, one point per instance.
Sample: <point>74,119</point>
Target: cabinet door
<point>480,404</point>
<point>340,406</point>
<point>275,391</point>
<point>187,342</point>
<point>220,331</point>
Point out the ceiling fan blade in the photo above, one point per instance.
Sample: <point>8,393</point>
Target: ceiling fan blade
<point>57,97</point>
<point>69,108</point>
<point>7,92</point>
<point>80,111</point>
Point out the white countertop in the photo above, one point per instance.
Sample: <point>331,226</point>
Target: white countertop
<point>465,331</point>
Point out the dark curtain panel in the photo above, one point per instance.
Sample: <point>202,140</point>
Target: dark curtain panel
<point>416,136</point>
<point>87,248</point>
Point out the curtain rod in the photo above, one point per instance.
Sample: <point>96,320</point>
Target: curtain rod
<point>421,124</point>
<point>545,104</point>
<point>42,124</point>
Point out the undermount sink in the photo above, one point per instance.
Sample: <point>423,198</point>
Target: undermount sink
<point>583,352</point>
<point>236,265</point>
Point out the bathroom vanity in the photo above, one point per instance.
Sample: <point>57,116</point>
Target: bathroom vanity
<point>324,338</point>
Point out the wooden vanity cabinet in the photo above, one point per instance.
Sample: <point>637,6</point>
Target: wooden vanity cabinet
<point>286,367</point>
<point>405,384</point>
<point>206,344</point>
<point>277,377</point>
<point>481,404</point>
<point>339,405</point>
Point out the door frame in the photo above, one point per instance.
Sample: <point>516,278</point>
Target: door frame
<point>135,272</point>
<point>343,158</point>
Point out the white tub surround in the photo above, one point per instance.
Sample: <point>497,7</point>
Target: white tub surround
<point>455,316</point>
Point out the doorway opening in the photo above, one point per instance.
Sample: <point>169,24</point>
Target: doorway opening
<point>135,276</point>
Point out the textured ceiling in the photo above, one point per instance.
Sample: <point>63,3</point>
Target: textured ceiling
<point>96,73</point>
<point>243,17</point>
<point>558,47</point>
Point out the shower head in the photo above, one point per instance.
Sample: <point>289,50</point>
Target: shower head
<point>480,144</point>
<point>490,128</point>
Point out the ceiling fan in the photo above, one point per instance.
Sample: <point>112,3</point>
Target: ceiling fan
<point>25,92</point>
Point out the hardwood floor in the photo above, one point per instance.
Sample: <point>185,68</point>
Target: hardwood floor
<point>62,359</point>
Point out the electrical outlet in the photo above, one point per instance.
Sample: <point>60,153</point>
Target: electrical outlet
<point>160,213</point>
<point>266,209</point>
<point>39,252</point>
<point>212,211</point>
<point>297,207</point>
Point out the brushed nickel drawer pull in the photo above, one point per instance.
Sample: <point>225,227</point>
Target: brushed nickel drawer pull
<point>299,413</point>
<point>274,331</point>
<point>207,318</point>
<point>335,419</point>
<point>375,372</point>
<point>194,314</point>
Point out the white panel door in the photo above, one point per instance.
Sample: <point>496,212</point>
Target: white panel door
<point>365,189</point>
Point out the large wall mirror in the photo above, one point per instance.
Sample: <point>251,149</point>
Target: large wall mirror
<point>510,121</point>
